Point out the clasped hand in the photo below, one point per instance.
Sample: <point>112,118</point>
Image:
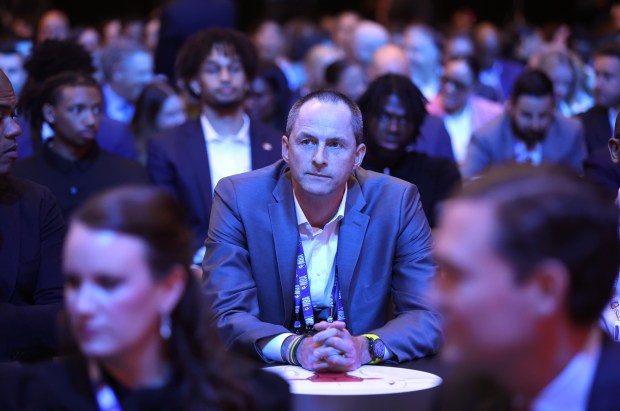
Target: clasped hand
<point>333,349</point>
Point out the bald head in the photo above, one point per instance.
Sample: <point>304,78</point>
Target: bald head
<point>388,59</point>
<point>54,24</point>
<point>367,38</point>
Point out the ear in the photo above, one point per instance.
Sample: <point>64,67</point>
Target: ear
<point>549,286</point>
<point>171,289</point>
<point>49,113</point>
<point>285,149</point>
<point>614,149</point>
<point>360,152</point>
<point>195,87</point>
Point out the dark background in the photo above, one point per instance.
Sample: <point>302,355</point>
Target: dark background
<point>582,12</point>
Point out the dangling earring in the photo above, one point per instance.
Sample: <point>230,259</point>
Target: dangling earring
<point>165,326</point>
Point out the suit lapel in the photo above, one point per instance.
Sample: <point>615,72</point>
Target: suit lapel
<point>550,143</point>
<point>508,143</point>
<point>9,246</point>
<point>198,159</point>
<point>260,146</point>
<point>285,237</point>
<point>350,239</point>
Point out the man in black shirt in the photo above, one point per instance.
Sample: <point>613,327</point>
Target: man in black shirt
<point>71,163</point>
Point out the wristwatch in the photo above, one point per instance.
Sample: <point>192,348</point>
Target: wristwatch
<point>376,348</point>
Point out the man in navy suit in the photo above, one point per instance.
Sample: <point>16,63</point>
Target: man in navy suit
<point>599,120</point>
<point>305,256</point>
<point>217,65</point>
<point>527,260</point>
<point>31,234</point>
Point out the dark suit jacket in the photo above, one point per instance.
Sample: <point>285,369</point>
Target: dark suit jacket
<point>596,126</point>
<point>434,139</point>
<point>384,254</point>
<point>494,143</point>
<point>182,18</point>
<point>178,161</point>
<point>31,285</point>
<point>435,178</point>
<point>113,136</point>
<point>466,391</point>
<point>599,167</point>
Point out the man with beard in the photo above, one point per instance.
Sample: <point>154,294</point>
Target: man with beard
<point>70,163</point>
<point>529,131</point>
<point>217,65</point>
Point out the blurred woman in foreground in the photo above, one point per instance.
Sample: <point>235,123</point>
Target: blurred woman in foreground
<point>138,318</point>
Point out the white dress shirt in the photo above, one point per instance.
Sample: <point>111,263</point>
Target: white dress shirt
<point>320,246</point>
<point>524,155</point>
<point>459,126</point>
<point>569,391</point>
<point>228,154</point>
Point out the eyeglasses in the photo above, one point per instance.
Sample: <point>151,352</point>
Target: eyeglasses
<point>457,84</point>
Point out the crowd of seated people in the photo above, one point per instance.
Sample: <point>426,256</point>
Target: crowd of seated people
<point>337,144</point>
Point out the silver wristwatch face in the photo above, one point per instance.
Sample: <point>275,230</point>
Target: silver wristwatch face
<point>377,349</point>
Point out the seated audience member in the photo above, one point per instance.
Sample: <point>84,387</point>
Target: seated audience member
<point>70,163</point>
<point>88,37</point>
<point>462,111</point>
<point>159,107</point>
<point>113,136</point>
<point>271,42</point>
<point>217,65</point>
<point>527,259</point>
<point>31,233</point>
<point>12,63</point>
<point>316,61</point>
<point>127,69</point>
<point>53,25</point>
<point>529,131</point>
<point>423,48</point>
<point>270,98</point>
<point>434,139</point>
<point>367,37</point>
<point>393,110</point>
<point>136,313</point>
<point>458,46</point>
<point>599,120</point>
<point>345,77</point>
<point>319,208</point>
<point>565,72</point>
<point>495,71</point>
<point>603,166</point>
<point>346,23</point>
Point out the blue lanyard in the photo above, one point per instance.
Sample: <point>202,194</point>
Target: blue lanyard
<point>303,300</point>
<point>104,394</point>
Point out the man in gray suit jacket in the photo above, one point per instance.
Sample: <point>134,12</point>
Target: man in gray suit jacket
<point>304,256</point>
<point>528,132</point>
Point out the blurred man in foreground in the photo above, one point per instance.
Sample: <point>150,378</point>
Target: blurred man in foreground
<point>527,260</point>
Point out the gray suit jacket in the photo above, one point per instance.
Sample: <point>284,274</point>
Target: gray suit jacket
<point>384,250</point>
<point>494,144</point>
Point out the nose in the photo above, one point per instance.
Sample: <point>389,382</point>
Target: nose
<point>83,301</point>
<point>319,159</point>
<point>224,74</point>
<point>12,130</point>
<point>538,124</point>
<point>393,125</point>
<point>89,118</point>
